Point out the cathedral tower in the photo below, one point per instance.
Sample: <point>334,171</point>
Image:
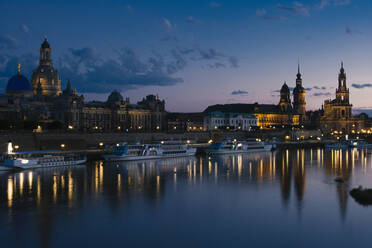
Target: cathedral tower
<point>299,103</point>
<point>285,98</point>
<point>45,76</point>
<point>342,93</point>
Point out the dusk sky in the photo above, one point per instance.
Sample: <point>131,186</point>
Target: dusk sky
<point>194,53</point>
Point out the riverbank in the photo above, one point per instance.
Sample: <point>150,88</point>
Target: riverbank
<point>97,141</point>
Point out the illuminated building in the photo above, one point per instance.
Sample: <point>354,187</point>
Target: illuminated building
<point>338,112</point>
<point>42,101</point>
<point>270,115</point>
<point>45,78</point>
<point>229,121</point>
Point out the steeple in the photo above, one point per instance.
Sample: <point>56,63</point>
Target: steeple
<point>298,79</point>
<point>342,92</point>
<point>68,90</point>
<point>342,78</point>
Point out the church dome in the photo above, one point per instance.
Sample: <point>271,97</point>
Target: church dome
<point>18,83</point>
<point>115,97</point>
<point>284,88</point>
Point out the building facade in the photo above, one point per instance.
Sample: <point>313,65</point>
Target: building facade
<point>229,121</point>
<point>299,103</point>
<point>45,78</point>
<point>338,112</point>
<point>269,115</point>
<point>43,101</point>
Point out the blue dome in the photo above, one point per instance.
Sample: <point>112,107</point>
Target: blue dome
<point>18,83</point>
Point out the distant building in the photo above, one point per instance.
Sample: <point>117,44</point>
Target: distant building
<point>299,103</point>
<point>45,78</point>
<point>42,101</point>
<point>267,115</point>
<point>270,115</point>
<point>185,122</point>
<point>229,121</point>
<point>338,112</point>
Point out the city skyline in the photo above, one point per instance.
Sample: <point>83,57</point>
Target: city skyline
<point>203,48</point>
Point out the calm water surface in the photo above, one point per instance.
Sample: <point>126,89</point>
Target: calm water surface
<point>282,199</point>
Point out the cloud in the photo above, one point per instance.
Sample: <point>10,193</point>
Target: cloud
<point>217,65</point>
<point>361,86</point>
<point>350,31</point>
<point>366,110</point>
<point>322,94</point>
<point>213,54</point>
<point>214,5</point>
<point>325,3</point>
<point>24,28</point>
<point>91,73</point>
<point>341,2</point>
<point>8,42</point>
<point>278,91</point>
<point>192,20</point>
<point>319,88</point>
<point>296,9</point>
<point>239,92</point>
<point>262,13</point>
<point>233,62</point>
<point>167,24</point>
<point>209,53</point>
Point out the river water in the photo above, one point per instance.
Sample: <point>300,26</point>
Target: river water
<point>283,199</point>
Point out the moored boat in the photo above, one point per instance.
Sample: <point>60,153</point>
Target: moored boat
<point>234,146</point>
<point>40,159</point>
<point>359,143</point>
<point>169,149</point>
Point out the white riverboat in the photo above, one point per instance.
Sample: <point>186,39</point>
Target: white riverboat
<point>127,152</point>
<point>39,159</point>
<point>359,143</point>
<point>234,146</point>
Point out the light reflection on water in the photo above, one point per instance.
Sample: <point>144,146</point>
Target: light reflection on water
<point>228,194</point>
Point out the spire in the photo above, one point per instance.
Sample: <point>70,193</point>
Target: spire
<point>68,87</point>
<point>342,70</point>
<point>68,90</point>
<point>298,71</point>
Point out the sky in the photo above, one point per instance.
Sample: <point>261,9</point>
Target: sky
<point>194,53</point>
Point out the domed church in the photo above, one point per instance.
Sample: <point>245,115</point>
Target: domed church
<point>19,86</point>
<point>45,76</point>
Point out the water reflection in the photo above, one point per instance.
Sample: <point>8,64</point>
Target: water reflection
<point>116,184</point>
